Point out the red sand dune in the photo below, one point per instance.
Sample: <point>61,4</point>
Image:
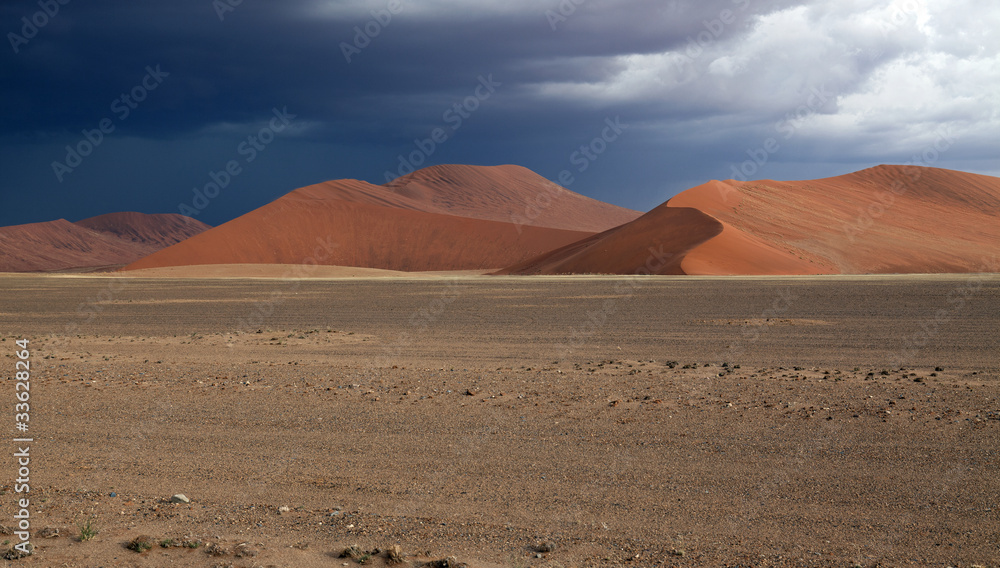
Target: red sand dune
<point>156,230</point>
<point>442,218</point>
<point>886,219</point>
<point>511,194</point>
<point>109,240</point>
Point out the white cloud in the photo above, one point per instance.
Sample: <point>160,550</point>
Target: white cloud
<point>900,70</point>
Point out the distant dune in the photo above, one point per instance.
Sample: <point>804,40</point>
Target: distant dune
<point>511,194</point>
<point>109,240</point>
<point>156,230</point>
<point>285,271</point>
<point>441,218</point>
<point>886,219</point>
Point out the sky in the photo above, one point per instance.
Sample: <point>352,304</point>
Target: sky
<point>215,107</point>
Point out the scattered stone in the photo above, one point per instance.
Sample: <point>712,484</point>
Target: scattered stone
<point>353,552</point>
<point>180,498</point>
<point>244,550</point>
<point>141,543</point>
<point>15,553</point>
<point>450,562</point>
<point>544,546</point>
<point>5,530</point>
<point>394,555</point>
<point>213,549</point>
<point>283,509</point>
<point>677,552</point>
<point>48,532</point>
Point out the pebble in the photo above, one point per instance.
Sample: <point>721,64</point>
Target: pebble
<point>545,546</point>
<point>179,498</point>
<point>49,532</point>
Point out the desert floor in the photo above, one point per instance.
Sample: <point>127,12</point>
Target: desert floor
<point>650,422</point>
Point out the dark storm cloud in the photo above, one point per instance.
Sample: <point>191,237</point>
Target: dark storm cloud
<point>266,53</point>
<point>698,83</point>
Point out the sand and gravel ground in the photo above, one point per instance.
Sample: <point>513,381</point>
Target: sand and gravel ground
<point>659,422</point>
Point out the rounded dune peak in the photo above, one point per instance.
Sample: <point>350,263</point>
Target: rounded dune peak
<point>439,218</point>
<point>884,219</point>
<point>508,193</point>
<point>158,229</point>
<point>97,243</point>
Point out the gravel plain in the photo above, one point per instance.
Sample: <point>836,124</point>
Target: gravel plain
<point>578,421</point>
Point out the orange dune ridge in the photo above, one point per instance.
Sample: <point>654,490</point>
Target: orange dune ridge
<point>440,218</point>
<point>113,239</point>
<point>511,194</point>
<point>886,219</point>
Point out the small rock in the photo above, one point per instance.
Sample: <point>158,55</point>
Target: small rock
<point>450,562</point>
<point>180,498</point>
<point>48,532</point>
<point>112,494</point>
<point>141,543</point>
<point>353,552</point>
<point>214,549</point>
<point>283,509</point>
<point>14,553</point>
<point>244,550</point>
<point>394,555</point>
<point>544,546</point>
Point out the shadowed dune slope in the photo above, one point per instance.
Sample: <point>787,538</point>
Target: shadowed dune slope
<point>155,231</point>
<point>308,227</point>
<point>442,218</point>
<point>654,243</point>
<point>886,219</point>
<point>108,240</point>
